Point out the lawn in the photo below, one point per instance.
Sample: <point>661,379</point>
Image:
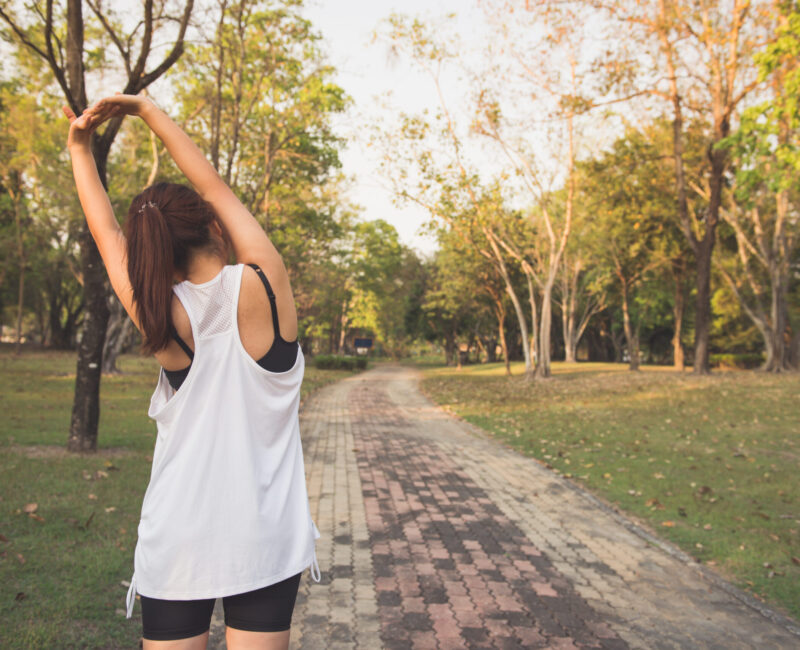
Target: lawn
<point>709,463</point>
<point>62,564</point>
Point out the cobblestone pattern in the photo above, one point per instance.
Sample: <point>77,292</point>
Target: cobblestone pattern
<point>435,536</point>
<point>650,593</point>
<point>451,570</point>
<point>341,610</point>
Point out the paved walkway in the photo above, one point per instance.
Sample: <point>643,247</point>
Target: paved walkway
<point>435,536</point>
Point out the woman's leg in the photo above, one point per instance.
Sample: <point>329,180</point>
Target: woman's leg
<point>260,619</point>
<point>175,624</point>
<point>198,642</point>
<point>245,640</point>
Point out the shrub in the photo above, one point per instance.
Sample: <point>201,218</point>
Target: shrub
<point>337,362</point>
<point>745,360</point>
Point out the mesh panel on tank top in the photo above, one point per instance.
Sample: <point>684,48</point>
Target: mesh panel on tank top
<point>212,304</point>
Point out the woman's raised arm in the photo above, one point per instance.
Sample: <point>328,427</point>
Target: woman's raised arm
<point>250,242</point>
<point>96,206</point>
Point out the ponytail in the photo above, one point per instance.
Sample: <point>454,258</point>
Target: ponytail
<point>165,223</point>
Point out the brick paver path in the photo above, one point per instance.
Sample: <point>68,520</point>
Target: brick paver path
<point>435,536</point>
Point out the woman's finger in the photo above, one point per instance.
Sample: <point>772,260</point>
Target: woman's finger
<point>69,113</point>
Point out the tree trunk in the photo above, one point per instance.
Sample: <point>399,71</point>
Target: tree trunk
<point>616,343</point>
<point>500,314</point>
<point>631,336</point>
<point>449,348</point>
<point>702,321</point>
<point>543,360</point>
<point>14,189</point>
<point>677,310</point>
<point>533,343</point>
<point>777,337</point>
<point>794,355</point>
<point>86,406</point>
<point>118,335</point>
<point>523,325</point>
<point>20,301</point>
<point>342,327</point>
<point>568,307</point>
<point>570,341</point>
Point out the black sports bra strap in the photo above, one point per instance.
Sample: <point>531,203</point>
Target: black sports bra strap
<point>271,296</point>
<point>183,344</point>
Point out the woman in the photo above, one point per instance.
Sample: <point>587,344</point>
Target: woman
<point>226,512</point>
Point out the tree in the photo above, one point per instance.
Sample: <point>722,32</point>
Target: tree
<point>706,50</point>
<point>31,143</point>
<point>57,36</point>
<point>764,213</point>
<point>447,186</point>
<point>552,67</point>
<point>632,213</point>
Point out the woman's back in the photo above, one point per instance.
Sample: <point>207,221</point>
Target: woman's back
<point>228,480</point>
<point>255,322</point>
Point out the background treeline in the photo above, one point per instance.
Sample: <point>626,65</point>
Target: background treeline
<point>255,92</point>
<point>615,181</point>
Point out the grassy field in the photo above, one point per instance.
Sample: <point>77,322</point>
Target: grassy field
<point>61,565</point>
<point>709,463</point>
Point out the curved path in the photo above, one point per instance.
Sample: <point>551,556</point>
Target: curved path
<point>436,536</point>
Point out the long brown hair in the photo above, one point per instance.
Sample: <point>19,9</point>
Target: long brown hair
<point>165,225</point>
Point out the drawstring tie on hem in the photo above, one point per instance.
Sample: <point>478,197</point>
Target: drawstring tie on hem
<point>316,577</point>
<point>130,599</point>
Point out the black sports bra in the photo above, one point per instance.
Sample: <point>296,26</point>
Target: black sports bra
<point>280,357</point>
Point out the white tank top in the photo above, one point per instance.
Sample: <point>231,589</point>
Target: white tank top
<point>226,510</point>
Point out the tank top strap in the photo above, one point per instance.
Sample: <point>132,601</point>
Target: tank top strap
<point>271,295</point>
<point>184,346</point>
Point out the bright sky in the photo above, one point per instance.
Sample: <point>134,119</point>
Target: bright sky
<point>366,71</point>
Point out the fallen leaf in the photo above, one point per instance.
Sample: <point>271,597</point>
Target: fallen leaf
<point>658,475</point>
<point>86,475</point>
<point>30,507</point>
<point>668,524</point>
<point>100,474</point>
<point>796,560</point>
<point>36,517</point>
<point>3,538</point>
<point>21,558</point>
<point>93,497</point>
<point>111,509</point>
<point>707,527</point>
<point>20,596</point>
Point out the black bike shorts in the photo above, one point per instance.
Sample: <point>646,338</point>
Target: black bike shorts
<point>268,609</point>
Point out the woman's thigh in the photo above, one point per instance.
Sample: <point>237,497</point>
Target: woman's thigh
<point>268,609</point>
<point>170,620</point>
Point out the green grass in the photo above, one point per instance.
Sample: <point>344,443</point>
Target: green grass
<point>60,574</point>
<point>709,463</point>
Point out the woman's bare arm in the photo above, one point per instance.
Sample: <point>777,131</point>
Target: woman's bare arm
<point>96,206</point>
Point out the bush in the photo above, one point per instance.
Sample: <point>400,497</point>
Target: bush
<point>337,362</point>
<point>744,361</point>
